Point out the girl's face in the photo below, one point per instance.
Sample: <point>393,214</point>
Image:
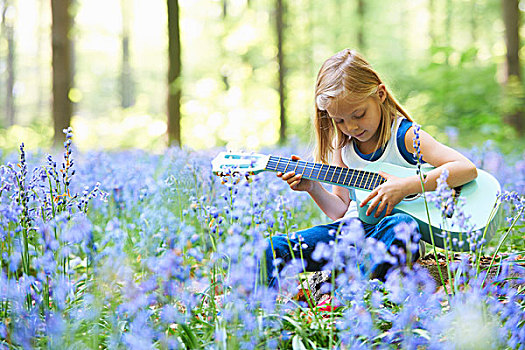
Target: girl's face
<point>359,120</point>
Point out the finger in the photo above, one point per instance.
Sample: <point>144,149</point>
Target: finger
<point>372,205</point>
<point>389,209</point>
<point>279,174</point>
<point>288,175</point>
<point>384,175</point>
<point>296,178</point>
<point>294,157</point>
<point>294,184</point>
<point>370,196</point>
<point>380,208</point>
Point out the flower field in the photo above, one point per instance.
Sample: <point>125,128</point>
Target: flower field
<point>133,250</point>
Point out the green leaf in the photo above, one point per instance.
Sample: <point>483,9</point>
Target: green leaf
<point>297,343</point>
<point>188,337</point>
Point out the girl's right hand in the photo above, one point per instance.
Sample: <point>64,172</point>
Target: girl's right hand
<point>296,182</point>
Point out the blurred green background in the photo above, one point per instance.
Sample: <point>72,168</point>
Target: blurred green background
<point>447,61</point>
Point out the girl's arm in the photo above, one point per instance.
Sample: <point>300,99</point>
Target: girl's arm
<point>461,170</point>
<point>334,204</point>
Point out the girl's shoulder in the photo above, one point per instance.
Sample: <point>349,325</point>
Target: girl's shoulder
<point>401,136</point>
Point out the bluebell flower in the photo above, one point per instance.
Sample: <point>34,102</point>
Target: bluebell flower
<point>78,231</point>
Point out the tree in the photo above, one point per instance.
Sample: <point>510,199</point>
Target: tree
<point>8,31</point>
<point>224,71</point>
<point>62,67</point>
<point>361,25</point>
<point>279,21</point>
<point>513,82</point>
<point>174,74</point>
<point>474,22</point>
<point>39,72</point>
<point>127,93</point>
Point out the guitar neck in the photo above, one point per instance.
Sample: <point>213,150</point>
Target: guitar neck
<point>331,174</point>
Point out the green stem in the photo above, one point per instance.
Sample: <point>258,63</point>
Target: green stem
<point>491,217</point>
<point>516,218</point>
<point>332,291</point>
<point>447,262</point>
<point>431,233</point>
<point>308,297</point>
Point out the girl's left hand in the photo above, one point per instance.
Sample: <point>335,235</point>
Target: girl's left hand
<point>388,195</point>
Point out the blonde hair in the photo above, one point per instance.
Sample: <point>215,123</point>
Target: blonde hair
<point>348,75</point>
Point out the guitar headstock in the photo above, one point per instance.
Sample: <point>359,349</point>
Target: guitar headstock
<point>226,163</point>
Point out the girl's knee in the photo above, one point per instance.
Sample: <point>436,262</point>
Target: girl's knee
<point>278,244</point>
<point>402,217</point>
<point>386,228</point>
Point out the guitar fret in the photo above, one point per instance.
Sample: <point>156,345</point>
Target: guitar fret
<point>277,165</point>
<point>300,164</point>
<point>287,164</point>
<point>334,171</point>
<point>312,176</point>
<point>319,167</point>
<point>351,177</point>
<point>268,166</point>
<point>332,178</point>
<point>344,180</point>
<point>356,174</point>
<point>340,173</point>
<point>311,170</point>
<point>372,180</point>
<point>377,180</point>
<point>368,182</point>
<point>326,172</point>
<point>362,178</point>
<point>366,177</point>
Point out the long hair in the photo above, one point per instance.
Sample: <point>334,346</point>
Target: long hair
<point>348,75</point>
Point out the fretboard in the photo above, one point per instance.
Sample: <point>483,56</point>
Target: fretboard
<point>327,173</point>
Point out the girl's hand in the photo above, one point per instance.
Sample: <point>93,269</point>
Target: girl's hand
<point>387,195</point>
<point>296,182</point>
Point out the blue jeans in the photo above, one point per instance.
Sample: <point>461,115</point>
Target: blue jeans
<point>382,231</point>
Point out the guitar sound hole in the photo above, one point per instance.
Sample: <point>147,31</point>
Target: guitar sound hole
<point>411,197</point>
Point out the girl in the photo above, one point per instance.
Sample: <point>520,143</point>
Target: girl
<point>357,121</point>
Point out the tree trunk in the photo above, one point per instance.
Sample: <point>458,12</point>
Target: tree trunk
<point>224,71</point>
<point>474,22</point>
<point>127,93</point>
<point>174,74</point>
<point>361,25</point>
<point>62,68</point>
<point>279,21</point>
<point>39,73</point>
<point>8,20</point>
<point>511,19</point>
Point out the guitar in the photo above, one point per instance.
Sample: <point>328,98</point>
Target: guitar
<point>480,195</point>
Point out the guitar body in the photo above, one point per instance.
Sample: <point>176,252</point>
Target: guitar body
<point>480,198</point>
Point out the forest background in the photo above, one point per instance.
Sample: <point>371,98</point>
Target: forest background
<point>241,73</point>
